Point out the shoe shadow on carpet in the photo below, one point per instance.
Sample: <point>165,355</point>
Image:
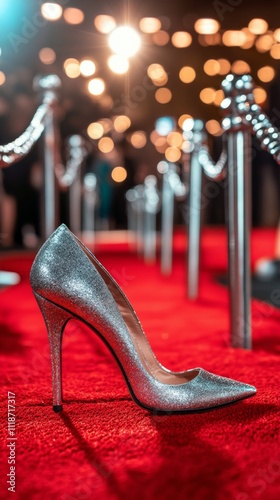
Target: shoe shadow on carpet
<point>158,436</point>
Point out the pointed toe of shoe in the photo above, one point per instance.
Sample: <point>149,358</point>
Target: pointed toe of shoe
<point>248,390</point>
<point>229,390</point>
<point>219,391</point>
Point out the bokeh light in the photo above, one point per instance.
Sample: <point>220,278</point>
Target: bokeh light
<point>240,67</point>
<point>161,145</point>
<point>211,67</point>
<point>73,16</point>
<point>164,125</point>
<point>149,24</point>
<point>47,55</point>
<point>214,127</point>
<point>206,40</point>
<point>181,39</point>
<point>187,74</point>
<point>218,97</point>
<point>87,67</point>
<point>157,74</point>
<point>96,86</point>
<point>188,124</point>
<point>124,41</point>
<point>174,139</point>
<point>163,95</point>
<point>182,119</point>
<point>2,78</point>
<point>121,123</point>
<point>105,24</point>
<point>249,39</point>
<point>258,26</point>
<point>106,145</point>
<point>51,11</point>
<point>118,64</point>
<point>224,66</point>
<point>276,35</point>
<point>207,95</point>
<point>265,42</point>
<point>119,174</point>
<point>72,67</point>
<point>275,51</point>
<point>138,139</point>
<point>266,74</point>
<point>95,130</point>
<point>173,154</point>
<point>206,26</point>
<point>260,95</point>
<point>161,38</point>
<point>234,38</point>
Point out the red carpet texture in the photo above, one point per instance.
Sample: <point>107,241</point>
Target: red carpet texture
<point>103,446</point>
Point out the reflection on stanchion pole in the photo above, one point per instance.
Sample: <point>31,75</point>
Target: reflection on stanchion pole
<point>90,200</point>
<point>151,207</point>
<point>196,159</point>
<point>239,210</point>
<point>49,87</point>
<point>139,210</point>
<point>77,151</point>
<point>172,187</point>
<point>194,134</point>
<point>130,197</point>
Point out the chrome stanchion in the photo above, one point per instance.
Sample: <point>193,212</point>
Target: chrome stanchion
<point>267,134</point>
<point>139,208</point>
<point>77,152</point>
<point>239,211</point>
<point>172,187</point>
<point>90,200</point>
<point>130,197</point>
<point>167,210</point>
<point>196,159</point>
<point>239,227</point>
<point>151,207</point>
<point>49,86</point>
<point>196,136</point>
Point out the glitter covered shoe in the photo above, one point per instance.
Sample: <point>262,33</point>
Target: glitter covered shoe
<point>70,283</point>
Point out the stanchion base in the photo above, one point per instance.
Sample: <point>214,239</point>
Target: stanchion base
<point>267,269</point>
<point>8,278</point>
<point>265,288</point>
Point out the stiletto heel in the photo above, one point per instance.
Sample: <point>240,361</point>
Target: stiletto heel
<point>56,320</point>
<point>69,282</point>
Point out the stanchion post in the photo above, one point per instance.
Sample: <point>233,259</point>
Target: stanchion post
<point>195,135</point>
<point>167,217</point>
<point>139,209</point>
<point>75,146</point>
<point>49,86</point>
<point>238,213</point>
<point>90,200</point>
<point>131,210</point>
<point>151,205</point>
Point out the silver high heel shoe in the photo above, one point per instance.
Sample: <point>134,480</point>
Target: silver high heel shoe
<point>69,283</point>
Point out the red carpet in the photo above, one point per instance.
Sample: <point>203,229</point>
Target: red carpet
<point>103,446</point>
